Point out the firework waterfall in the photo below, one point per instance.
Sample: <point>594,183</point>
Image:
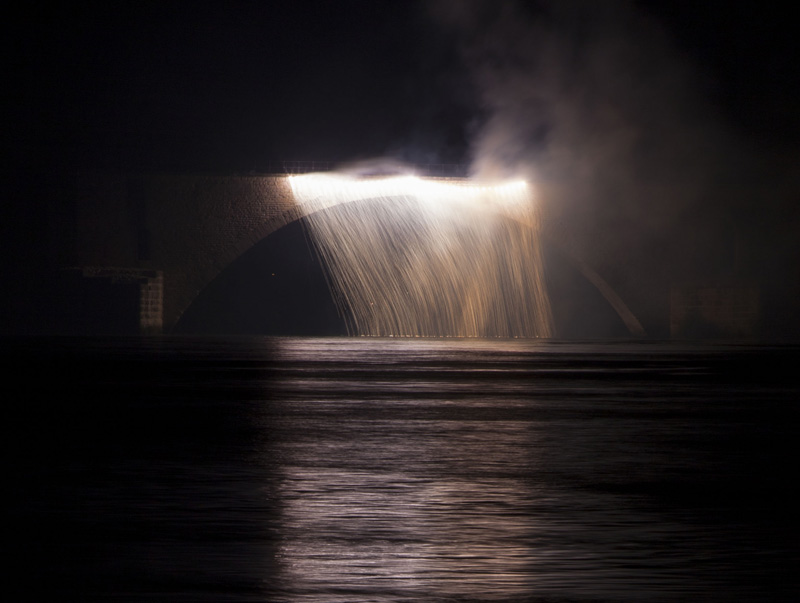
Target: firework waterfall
<point>413,257</point>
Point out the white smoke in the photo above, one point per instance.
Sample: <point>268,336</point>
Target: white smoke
<point>593,103</point>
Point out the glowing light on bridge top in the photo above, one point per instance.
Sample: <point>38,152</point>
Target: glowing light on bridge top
<point>320,191</point>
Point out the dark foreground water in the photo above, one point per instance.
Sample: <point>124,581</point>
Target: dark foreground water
<point>399,470</point>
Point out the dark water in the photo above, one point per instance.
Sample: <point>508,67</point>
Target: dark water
<point>400,470</point>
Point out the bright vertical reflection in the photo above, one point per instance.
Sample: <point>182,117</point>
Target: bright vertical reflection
<point>411,498</point>
<point>418,257</point>
<point>389,518</point>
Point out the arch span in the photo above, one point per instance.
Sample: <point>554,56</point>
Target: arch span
<point>292,211</point>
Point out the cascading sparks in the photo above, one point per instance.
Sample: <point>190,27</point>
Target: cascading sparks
<point>412,257</point>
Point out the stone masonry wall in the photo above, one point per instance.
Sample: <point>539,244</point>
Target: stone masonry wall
<point>187,226</point>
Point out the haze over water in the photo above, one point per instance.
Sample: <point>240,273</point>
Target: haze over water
<point>288,469</point>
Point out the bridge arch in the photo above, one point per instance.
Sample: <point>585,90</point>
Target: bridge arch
<point>289,212</point>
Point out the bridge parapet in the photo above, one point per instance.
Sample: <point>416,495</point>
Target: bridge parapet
<point>433,170</point>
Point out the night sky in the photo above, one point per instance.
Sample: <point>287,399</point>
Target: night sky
<point>654,129</point>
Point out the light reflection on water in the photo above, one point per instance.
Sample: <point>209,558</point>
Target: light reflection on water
<point>472,485</point>
<point>406,470</point>
<point>408,515</point>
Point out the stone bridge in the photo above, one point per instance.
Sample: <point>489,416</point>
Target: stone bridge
<point>167,236</point>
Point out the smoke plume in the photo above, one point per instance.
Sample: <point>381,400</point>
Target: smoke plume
<point>593,103</point>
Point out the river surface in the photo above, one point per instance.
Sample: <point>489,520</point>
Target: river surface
<point>346,470</point>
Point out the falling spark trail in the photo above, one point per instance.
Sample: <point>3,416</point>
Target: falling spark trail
<point>411,257</point>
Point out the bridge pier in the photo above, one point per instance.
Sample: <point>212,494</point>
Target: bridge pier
<point>113,301</point>
<point>714,310</point>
